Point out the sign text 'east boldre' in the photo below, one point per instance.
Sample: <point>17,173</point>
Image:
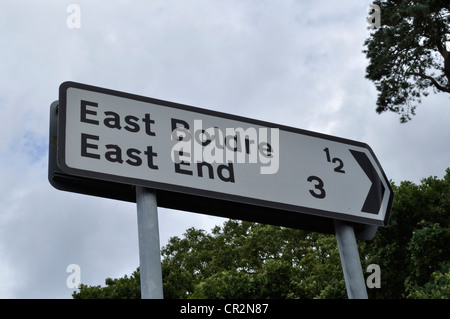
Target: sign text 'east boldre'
<point>193,151</point>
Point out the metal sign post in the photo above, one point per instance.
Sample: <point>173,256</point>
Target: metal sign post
<point>351,264</point>
<point>149,250</point>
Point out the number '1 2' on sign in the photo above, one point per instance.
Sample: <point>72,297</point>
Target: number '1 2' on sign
<point>338,168</point>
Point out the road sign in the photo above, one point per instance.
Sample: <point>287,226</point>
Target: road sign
<point>216,163</point>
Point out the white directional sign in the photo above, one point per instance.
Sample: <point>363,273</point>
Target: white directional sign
<point>135,140</point>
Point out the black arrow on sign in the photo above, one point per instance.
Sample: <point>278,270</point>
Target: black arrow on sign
<point>375,196</point>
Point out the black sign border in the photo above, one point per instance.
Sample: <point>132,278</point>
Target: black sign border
<point>191,195</point>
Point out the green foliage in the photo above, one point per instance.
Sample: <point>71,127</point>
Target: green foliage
<point>123,288</point>
<point>438,287</point>
<point>248,260</point>
<point>415,244</point>
<point>409,53</point>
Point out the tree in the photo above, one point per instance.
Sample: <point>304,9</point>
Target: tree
<point>415,244</point>
<point>409,53</point>
<point>122,288</point>
<point>248,260</point>
<point>241,260</point>
<point>438,287</point>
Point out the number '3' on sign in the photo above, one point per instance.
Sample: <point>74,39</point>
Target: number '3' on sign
<point>319,190</point>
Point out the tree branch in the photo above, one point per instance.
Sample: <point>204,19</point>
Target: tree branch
<point>432,80</point>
